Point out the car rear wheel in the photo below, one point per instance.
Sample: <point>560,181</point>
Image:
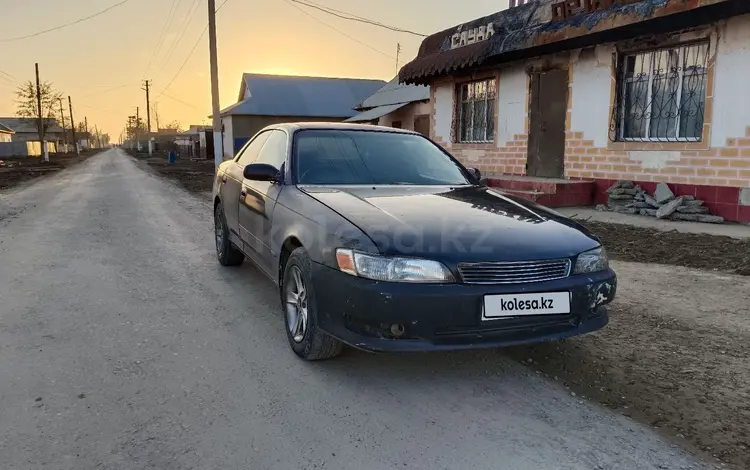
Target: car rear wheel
<point>227,254</point>
<point>300,313</point>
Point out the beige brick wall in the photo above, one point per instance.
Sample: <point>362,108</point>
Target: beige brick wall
<point>728,165</point>
<point>698,163</point>
<point>708,162</point>
<point>490,158</point>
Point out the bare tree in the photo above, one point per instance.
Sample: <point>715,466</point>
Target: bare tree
<point>174,126</point>
<point>156,115</point>
<point>26,104</point>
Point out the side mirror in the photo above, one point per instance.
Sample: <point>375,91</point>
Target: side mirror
<point>262,172</point>
<point>478,176</point>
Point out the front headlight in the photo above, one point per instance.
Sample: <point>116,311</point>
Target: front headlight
<point>392,269</point>
<point>591,261</point>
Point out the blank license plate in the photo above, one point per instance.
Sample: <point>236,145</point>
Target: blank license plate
<point>514,305</point>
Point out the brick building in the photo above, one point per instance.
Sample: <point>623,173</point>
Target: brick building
<point>569,96</point>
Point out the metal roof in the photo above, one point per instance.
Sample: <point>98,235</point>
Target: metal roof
<point>531,30</point>
<point>375,113</point>
<point>26,125</point>
<point>283,95</point>
<point>394,92</point>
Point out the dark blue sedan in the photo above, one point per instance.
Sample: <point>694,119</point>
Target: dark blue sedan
<point>378,238</point>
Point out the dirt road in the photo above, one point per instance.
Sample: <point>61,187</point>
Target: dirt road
<point>123,344</point>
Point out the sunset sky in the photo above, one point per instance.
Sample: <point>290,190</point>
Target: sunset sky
<point>101,62</point>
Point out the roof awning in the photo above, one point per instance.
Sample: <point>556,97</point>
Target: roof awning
<point>375,113</point>
<point>542,27</point>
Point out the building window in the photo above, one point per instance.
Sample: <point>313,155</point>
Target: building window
<point>662,95</point>
<point>476,111</point>
<point>396,124</point>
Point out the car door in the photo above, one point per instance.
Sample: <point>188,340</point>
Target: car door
<point>258,200</point>
<point>231,185</point>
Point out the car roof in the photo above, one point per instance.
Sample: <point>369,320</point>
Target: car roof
<point>337,126</point>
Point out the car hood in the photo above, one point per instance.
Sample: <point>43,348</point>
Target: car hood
<point>455,224</point>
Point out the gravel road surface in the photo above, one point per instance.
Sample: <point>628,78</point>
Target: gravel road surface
<point>124,345</point>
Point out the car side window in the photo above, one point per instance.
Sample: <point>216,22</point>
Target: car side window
<point>274,151</point>
<point>250,152</point>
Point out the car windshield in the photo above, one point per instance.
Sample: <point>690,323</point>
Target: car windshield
<point>354,157</point>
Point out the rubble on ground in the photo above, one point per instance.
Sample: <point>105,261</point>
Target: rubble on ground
<point>625,197</point>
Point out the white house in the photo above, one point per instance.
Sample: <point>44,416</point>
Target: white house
<point>592,91</point>
<point>398,105</point>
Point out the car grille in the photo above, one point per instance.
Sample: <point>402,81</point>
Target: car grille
<point>514,272</point>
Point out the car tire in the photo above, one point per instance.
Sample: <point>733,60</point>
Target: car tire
<point>300,312</point>
<point>226,252</point>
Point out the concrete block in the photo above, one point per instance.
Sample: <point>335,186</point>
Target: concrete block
<point>663,193</point>
<point>668,209</point>
<point>745,197</point>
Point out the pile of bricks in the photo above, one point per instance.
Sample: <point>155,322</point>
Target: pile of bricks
<point>627,198</point>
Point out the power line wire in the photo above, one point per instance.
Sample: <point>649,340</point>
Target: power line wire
<point>195,46</point>
<point>5,75</point>
<point>159,42</point>
<point>187,21</point>
<point>180,101</point>
<point>290,2</point>
<point>184,63</point>
<point>348,16</point>
<point>56,28</point>
<point>111,88</point>
<point>102,109</point>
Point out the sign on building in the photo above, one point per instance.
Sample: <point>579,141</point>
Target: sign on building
<point>463,38</point>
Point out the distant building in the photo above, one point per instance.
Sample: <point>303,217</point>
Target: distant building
<point>6,134</point>
<point>398,105</point>
<point>25,129</point>
<point>271,99</point>
<point>189,142</point>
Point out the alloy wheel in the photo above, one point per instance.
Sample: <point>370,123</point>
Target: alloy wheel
<point>296,305</point>
<point>219,231</point>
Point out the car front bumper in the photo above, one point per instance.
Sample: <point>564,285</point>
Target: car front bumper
<point>434,317</point>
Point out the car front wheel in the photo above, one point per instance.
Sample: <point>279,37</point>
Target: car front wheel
<point>227,254</point>
<point>300,314</point>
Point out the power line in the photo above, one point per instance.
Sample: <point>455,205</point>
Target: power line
<point>80,20</point>
<point>339,31</point>
<point>167,24</point>
<point>111,88</point>
<point>348,16</point>
<point>6,76</point>
<point>187,21</point>
<point>180,101</point>
<point>195,46</point>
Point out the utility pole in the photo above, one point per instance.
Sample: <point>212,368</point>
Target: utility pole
<point>148,105</point>
<point>137,128</point>
<point>148,118</point>
<point>218,151</point>
<point>131,119</point>
<point>65,133</point>
<point>86,128</point>
<point>41,119</point>
<point>73,125</point>
<point>398,53</point>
